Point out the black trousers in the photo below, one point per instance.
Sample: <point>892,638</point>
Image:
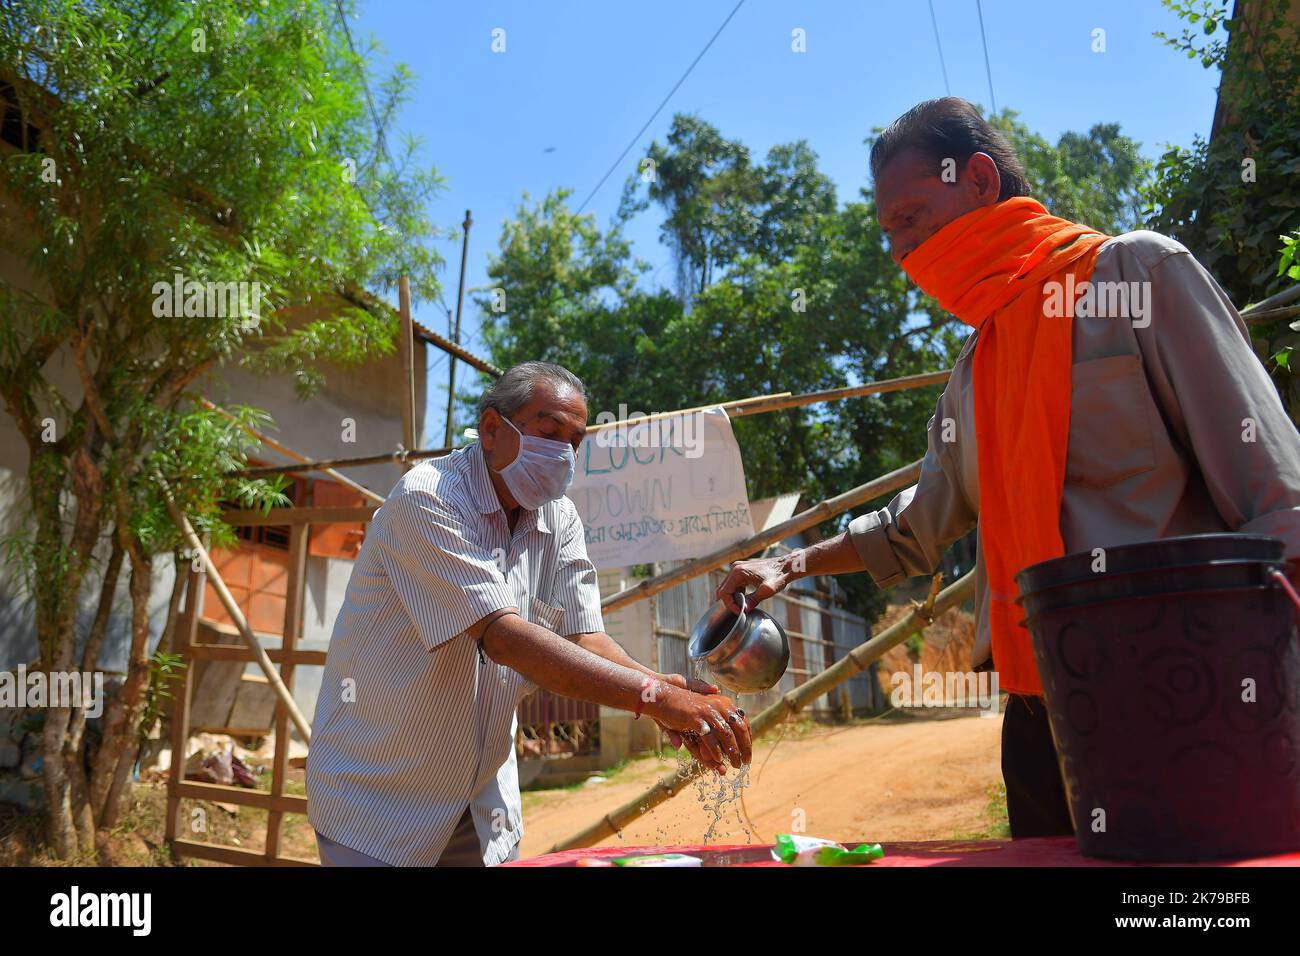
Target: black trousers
<point>1036,802</point>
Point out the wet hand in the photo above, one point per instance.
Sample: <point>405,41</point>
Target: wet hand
<point>713,722</point>
<point>698,687</point>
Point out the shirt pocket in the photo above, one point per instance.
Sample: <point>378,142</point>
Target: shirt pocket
<point>1111,436</point>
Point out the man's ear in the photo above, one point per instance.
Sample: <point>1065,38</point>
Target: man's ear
<point>983,179</point>
<point>488,424</point>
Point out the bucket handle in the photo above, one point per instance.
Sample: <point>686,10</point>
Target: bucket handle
<point>1286,586</point>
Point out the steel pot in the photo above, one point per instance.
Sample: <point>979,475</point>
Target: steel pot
<point>746,653</point>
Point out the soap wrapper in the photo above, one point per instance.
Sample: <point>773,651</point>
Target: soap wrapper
<point>799,850</point>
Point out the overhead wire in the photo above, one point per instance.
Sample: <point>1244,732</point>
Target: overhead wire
<point>381,142</point>
<point>942,65</point>
<point>987,69</point>
<point>682,79</point>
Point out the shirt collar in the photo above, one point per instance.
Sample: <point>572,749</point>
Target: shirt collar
<point>485,496</point>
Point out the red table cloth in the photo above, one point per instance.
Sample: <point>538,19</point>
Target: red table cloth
<point>1039,851</point>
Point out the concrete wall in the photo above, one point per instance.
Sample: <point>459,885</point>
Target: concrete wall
<point>315,427</point>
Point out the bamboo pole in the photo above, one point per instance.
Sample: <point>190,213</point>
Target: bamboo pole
<point>288,452</point>
<point>182,643</point>
<point>898,478</point>
<point>380,459</point>
<point>736,409</point>
<point>759,406</point>
<point>451,348</point>
<point>853,663</point>
<point>236,615</point>
<point>406,350</point>
<point>1271,315</point>
<point>1273,301</point>
<point>460,301</point>
<point>294,607</point>
<point>730,408</point>
<point>377,306</point>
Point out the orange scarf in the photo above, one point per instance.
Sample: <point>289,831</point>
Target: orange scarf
<point>991,269</point>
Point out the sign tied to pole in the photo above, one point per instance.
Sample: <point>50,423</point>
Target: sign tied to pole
<point>661,488</point>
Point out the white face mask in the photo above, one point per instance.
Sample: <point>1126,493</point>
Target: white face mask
<point>542,470</point>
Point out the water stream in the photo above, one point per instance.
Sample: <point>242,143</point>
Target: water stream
<point>718,796</point>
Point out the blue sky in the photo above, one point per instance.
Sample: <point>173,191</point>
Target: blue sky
<point>580,78</point>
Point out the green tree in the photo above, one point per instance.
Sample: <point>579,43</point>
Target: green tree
<point>554,272</point>
<point>719,206</point>
<point>228,142</point>
<point>1094,178</point>
<point>1229,199</point>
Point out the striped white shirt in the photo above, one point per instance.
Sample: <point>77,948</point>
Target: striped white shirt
<point>414,723</point>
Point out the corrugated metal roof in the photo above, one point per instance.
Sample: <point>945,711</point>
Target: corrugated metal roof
<point>767,512</point>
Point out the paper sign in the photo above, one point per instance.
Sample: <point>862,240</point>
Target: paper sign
<point>666,489</point>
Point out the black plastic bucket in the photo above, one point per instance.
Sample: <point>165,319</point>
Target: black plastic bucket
<point>1211,575</point>
<point>1176,715</point>
<point>1145,555</point>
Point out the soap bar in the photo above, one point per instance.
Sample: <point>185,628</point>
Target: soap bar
<point>660,859</point>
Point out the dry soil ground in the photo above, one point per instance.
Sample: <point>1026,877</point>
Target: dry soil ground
<point>906,777</point>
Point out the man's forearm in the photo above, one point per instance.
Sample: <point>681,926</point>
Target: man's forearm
<point>563,667</point>
<point>602,645</point>
<point>835,555</point>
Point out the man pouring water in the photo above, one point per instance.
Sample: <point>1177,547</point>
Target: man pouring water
<point>1068,425</point>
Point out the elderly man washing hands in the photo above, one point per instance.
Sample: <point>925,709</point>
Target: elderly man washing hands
<point>472,589</point>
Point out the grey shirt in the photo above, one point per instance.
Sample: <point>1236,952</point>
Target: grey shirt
<point>1175,429</point>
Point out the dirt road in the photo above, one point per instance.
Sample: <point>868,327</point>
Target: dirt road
<point>905,778</point>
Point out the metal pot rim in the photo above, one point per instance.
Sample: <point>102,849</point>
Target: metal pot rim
<point>729,644</point>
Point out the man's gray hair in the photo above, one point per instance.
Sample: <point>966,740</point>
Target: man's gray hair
<point>514,389</point>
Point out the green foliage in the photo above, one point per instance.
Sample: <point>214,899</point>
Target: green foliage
<point>720,206</point>
<point>1289,266</point>
<point>1228,199</point>
<point>164,671</point>
<point>225,142</point>
<point>194,454</point>
<point>556,268</point>
<point>1204,17</point>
